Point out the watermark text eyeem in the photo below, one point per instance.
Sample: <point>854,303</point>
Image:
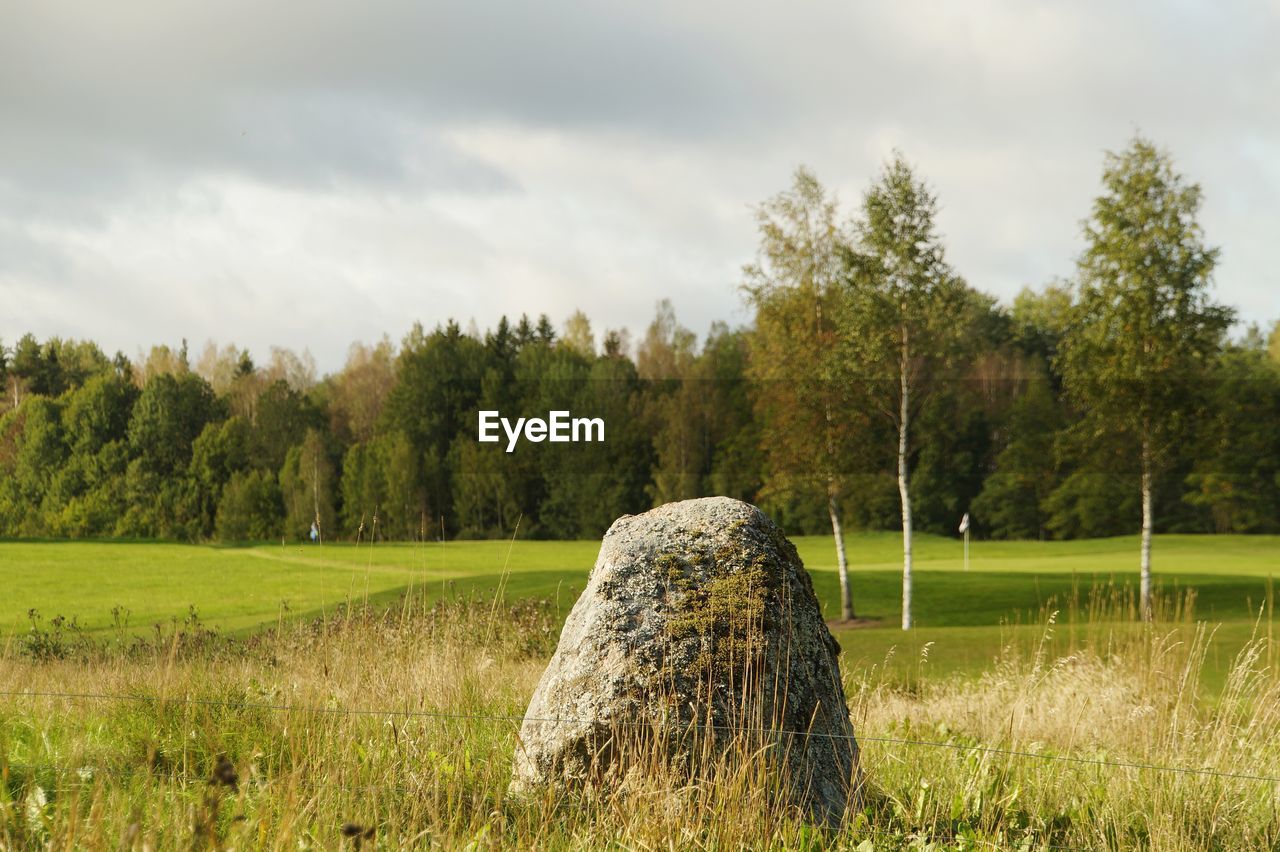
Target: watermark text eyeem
<point>559,427</point>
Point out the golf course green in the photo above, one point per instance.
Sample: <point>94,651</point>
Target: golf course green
<point>964,617</point>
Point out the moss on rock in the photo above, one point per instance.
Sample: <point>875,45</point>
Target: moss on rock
<point>699,621</point>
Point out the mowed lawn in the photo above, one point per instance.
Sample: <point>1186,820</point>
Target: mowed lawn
<point>963,618</point>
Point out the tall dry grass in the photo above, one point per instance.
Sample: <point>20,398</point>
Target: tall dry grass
<point>397,729</point>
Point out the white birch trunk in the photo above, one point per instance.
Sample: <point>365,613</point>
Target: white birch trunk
<point>1145,585</point>
<point>904,415</point>
<point>842,562</point>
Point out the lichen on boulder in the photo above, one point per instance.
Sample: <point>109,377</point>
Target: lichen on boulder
<point>698,630</point>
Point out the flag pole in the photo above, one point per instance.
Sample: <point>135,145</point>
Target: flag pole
<point>964,528</point>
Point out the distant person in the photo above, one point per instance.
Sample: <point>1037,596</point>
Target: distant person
<point>315,533</point>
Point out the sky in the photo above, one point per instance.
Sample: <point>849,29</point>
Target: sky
<point>311,174</point>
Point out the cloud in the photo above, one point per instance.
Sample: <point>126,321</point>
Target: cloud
<point>308,174</point>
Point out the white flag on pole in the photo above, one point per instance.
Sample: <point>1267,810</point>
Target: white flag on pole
<point>964,523</point>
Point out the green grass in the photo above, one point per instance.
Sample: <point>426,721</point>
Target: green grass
<point>966,615</point>
<point>85,764</point>
<point>1035,753</point>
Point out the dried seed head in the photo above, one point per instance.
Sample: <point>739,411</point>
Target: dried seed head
<point>224,774</point>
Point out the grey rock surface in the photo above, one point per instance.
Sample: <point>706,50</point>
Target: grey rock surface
<point>698,628</point>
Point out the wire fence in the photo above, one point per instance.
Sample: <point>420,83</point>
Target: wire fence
<point>743,730</point>
<point>402,788</point>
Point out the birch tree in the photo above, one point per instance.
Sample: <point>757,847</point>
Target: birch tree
<point>809,423</point>
<point>1144,330</point>
<point>903,308</point>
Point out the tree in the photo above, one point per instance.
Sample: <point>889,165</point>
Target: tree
<point>492,489</point>
<point>1040,319</point>
<point>903,300</point>
<point>95,422</point>
<point>617,343</point>
<point>1013,500</point>
<point>306,486</point>
<point>26,368</point>
<point>1236,472</point>
<point>54,367</point>
<point>438,385</point>
<point>297,371</point>
<point>589,485</point>
<point>169,415</point>
<point>282,415</point>
<point>545,478</point>
<point>358,394</point>
<point>1144,330</point>
<point>162,360</point>
<point>221,451</point>
<point>809,422</point>
<point>98,413</point>
<point>577,335</point>
<point>523,335</point>
<point>667,363</point>
<point>221,367</point>
<point>545,331</point>
<point>485,499</point>
<point>41,454</point>
<point>249,509</point>
<point>736,462</point>
<point>380,477</point>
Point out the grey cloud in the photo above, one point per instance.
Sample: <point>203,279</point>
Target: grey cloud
<point>324,91</point>
<point>470,158</point>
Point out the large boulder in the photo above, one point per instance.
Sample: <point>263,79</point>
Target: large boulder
<point>698,626</point>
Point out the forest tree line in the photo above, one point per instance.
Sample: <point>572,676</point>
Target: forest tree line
<point>875,387</point>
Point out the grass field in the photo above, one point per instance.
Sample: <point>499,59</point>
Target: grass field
<point>399,722</point>
<point>963,617</point>
<point>397,728</point>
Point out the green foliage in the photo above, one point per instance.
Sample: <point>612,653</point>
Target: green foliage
<point>281,418</point>
<point>1033,416</point>
<point>1236,473</point>
<point>307,487</point>
<point>1040,319</point>
<point>222,450</point>
<point>435,395</point>
<point>1143,330</point>
<point>949,468</point>
<point>381,477</point>
<point>668,359</point>
<point>904,298</point>
<point>486,496</point>
<point>98,413</point>
<point>1091,503</point>
<point>698,409</point>
<point>813,426</point>
<point>588,486</point>
<point>250,507</point>
<point>41,449</point>
<point>51,368</point>
<point>169,415</point>
<point>1013,500</point>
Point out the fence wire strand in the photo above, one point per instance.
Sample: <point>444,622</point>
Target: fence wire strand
<point>495,717</point>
